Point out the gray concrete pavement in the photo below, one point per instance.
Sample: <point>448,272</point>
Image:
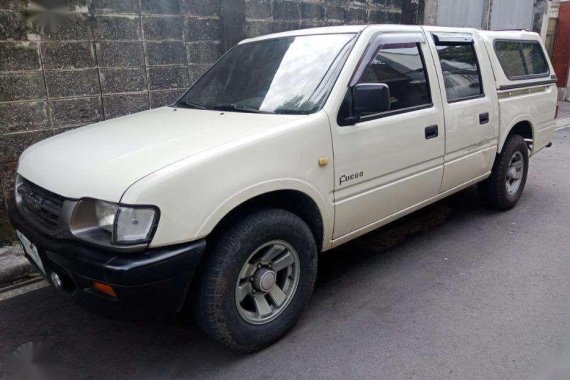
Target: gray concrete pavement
<point>454,291</point>
<point>564,110</point>
<point>563,114</point>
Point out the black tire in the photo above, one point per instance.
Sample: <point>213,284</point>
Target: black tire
<point>493,190</point>
<point>216,311</point>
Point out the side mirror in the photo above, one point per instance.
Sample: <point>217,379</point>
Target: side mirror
<point>370,98</point>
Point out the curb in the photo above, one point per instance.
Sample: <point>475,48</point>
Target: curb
<point>13,264</point>
<point>563,123</point>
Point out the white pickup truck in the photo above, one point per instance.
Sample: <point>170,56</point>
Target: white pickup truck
<point>289,145</point>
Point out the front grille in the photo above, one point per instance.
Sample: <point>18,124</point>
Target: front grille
<point>39,204</point>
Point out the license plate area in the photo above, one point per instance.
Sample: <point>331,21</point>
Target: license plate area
<point>31,251</point>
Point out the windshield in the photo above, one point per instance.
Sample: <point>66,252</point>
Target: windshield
<point>281,75</point>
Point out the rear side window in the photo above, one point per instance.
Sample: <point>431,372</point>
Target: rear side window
<point>401,67</point>
<point>521,59</point>
<point>460,69</point>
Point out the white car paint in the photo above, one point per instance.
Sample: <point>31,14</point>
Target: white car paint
<point>535,106</point>
<point>197,165</point>
<point>102,160</point>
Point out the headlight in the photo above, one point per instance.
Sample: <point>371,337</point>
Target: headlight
<point>111,223</point>
<point>105,213</point>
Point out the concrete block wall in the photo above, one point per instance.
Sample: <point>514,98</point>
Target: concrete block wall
<point>266,16</point>
<point>92,60</point>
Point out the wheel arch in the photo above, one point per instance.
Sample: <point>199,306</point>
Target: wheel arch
<point>521,126</point>
<point>308,205</point>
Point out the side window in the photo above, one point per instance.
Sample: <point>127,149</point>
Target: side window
<point>511,58</point>
<point>401,67</point>
<point>460,69</point>
<point>534,58</point>
<point>521,59</point>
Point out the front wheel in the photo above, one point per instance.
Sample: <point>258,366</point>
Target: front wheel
<point>503,189</point>
<point>258,280</point>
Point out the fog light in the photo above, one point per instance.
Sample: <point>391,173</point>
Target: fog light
<point>56,280</point>
<point>104,288</point>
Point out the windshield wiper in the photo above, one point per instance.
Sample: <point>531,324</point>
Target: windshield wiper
<point>292,112</point>
<point>236,107</point>
<point>187,104</point>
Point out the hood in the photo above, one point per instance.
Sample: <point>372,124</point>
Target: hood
<point>102,160</point>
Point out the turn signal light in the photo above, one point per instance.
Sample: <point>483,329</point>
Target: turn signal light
<point>104,288</point>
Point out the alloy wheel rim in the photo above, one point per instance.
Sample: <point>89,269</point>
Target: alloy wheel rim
<point>514,173</point>
<point>267,282</point>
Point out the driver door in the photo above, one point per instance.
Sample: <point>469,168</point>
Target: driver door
<point>388,162</point>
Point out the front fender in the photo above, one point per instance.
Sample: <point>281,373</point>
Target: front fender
<point>194,194</point>
<point>237,199</point>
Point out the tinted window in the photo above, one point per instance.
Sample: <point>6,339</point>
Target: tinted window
<point>460,71</point>
<point>520,59</point>
<point>280,75</point>
<point>534,58</point>
<point>401,67</point>
<point>511,58</point>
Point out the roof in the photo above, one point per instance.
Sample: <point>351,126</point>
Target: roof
<point>515,34</point>
<point>305,32</point>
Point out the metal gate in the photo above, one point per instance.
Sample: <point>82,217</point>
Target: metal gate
<point>461,13</point>
<point>512,14</point>
<point>486,14</point>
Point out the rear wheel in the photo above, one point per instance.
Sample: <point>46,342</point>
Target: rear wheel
<point>503,189</point>
<point>258,280</point>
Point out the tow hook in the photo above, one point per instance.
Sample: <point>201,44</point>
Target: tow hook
<point>549,144</point>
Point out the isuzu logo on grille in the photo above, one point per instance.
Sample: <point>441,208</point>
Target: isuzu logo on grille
<point>32,200</point>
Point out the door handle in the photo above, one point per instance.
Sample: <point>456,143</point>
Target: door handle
<point>484,118</point>
<point>431,132</point>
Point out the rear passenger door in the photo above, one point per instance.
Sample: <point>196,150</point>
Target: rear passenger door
<point>469,103</point>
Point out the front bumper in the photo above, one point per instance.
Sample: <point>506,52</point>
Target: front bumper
<point>147,283</point>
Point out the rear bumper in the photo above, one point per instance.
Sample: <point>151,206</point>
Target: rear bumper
<point>543,137</point>
<point>146,283</point>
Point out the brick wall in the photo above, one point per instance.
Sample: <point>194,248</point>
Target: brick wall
<point>561,53</point>
<point>91,60</point>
